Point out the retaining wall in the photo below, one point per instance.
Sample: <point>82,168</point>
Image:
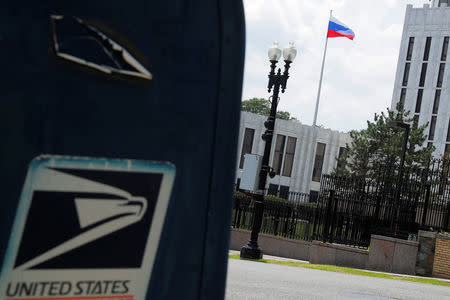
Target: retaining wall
<point>338,255</point>
<point>386,254</point>
<point>272,245</point>
<point>392,255</point>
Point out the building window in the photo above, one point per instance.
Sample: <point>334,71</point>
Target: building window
<point>284,191</point>
<point>432,128</point>
<point>278,155</point>
<point>313,196</point>
<point>273,190</point>
<point>426,54</point>
<point>441,75</point>
<point>429,145</point>
<point>402,97</point>
<point>447,150</point>
<point>437,98</point>
<point>415,121</point>
<point>410,48</point>
<point>444,49</point>
<point>448,132</point>
<point>419,100</point>
<point>289,156</point>
<point>342,154</point>
<point>423,74</point>
<point>247,144</point>
<point>406,74</point>
<point>318,163</point>
<point>444,174</point>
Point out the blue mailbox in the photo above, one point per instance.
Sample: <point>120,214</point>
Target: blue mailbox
<point>119,124</point>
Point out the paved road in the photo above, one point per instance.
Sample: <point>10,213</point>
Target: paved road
<point>252,280</point>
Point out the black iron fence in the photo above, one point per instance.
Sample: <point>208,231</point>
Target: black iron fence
<point>288,218</point>
<point>350,209</point>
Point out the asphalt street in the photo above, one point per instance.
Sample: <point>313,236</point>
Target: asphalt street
<point>253,280</point>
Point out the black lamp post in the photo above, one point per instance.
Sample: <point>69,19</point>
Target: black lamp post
<point>276,80</point>
<point>406,127</point>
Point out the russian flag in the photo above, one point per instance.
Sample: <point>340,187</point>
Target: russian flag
<point>337,29</point>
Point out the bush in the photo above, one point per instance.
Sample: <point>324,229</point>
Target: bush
<point>275,198</point>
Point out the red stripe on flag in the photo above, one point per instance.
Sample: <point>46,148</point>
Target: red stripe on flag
<point>332,33</point>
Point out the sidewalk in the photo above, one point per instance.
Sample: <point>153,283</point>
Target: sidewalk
<point>234,252</point>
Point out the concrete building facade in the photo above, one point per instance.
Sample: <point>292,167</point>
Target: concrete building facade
<point>291,152</point>
<point>423,71</point>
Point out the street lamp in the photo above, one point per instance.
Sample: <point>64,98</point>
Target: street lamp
<point>406,127</point>
<point>276,80</point>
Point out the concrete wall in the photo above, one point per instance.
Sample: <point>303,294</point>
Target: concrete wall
<point>338,255</point>
<point>314,252</point>
<point>441,265</point>
<point>386,254</point>
<point>425,254</point>
<point>272,245</point>
<point>392,255</point>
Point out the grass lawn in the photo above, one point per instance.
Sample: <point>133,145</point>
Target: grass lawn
<point>347,271</point>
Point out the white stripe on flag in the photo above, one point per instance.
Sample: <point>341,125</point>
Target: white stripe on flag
<point>334,20</point>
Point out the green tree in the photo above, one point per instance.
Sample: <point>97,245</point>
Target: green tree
<point>261,106</point>
<point>381,145</point>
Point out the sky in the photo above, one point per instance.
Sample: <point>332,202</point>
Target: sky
<point>359,75</point>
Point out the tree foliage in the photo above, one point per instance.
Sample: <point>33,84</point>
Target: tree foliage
<point>261,106</point>
<point>380,144</point>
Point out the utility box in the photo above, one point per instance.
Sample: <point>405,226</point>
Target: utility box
<point>250,173</point>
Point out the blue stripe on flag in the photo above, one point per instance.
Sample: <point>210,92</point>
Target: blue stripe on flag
<point>337,27</point>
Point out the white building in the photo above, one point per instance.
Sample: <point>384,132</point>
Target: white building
<point>291,152</point>
<point>422,80</point>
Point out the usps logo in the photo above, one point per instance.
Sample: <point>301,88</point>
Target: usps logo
<point>86,228</point>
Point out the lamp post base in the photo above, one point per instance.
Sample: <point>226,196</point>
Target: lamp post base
<point>251,252</point>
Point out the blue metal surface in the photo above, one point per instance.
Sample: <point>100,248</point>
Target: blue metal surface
<point>188,115</point>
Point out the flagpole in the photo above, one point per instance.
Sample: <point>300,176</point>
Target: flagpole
<point>321,76</point>
<point>314,130</point>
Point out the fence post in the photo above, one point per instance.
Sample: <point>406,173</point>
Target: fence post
<point>425,205</point>
<point>377,208</point>
<point>276,219</point>
<point>447,218</point>
<point>333,218</point>
<point>317,215</point>
<point>237,212</point>
<point>327,217</point>
<point>412,226</point>
<point>287,220</point>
